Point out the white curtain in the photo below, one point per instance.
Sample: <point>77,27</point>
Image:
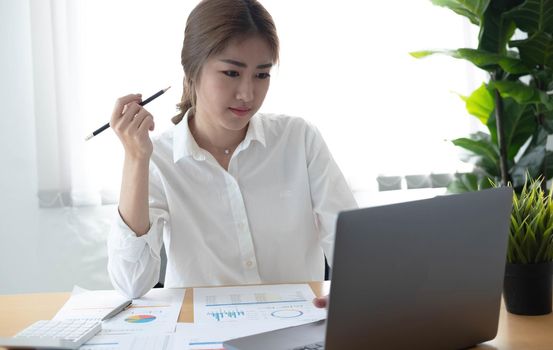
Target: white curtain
<point>63,174</point>
<point>344,66</point>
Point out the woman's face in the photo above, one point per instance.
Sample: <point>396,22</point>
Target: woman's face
<point>232,84</point>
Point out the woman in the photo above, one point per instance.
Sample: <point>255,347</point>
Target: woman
<point>236,197</point>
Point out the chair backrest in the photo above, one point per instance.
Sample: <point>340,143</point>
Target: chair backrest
<point>163,256</point>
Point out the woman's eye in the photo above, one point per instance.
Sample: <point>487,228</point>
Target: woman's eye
<point>231,73</point>
<point>263,75</point>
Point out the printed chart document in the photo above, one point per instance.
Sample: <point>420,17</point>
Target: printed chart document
<point>148,324</point>
<point>156,312</point>
<point>223,313</point>
<point>286,304</point>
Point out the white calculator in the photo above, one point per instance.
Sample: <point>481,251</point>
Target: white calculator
<point>66,334</point>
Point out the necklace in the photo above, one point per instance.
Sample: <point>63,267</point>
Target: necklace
<point>218,150</point>
<point>223,151</point>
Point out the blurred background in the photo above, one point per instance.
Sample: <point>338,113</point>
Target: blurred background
<point>345,67</point>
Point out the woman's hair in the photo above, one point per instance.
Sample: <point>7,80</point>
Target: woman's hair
<point>209,28</point>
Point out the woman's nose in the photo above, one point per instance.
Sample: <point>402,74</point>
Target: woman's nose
<point>245,90</point>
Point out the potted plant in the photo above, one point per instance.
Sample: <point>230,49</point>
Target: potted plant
<point>515,48</point>
<point>528,280</point>
<point>515,105</point>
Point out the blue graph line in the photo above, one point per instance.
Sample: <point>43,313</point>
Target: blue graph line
<point>222,314</point>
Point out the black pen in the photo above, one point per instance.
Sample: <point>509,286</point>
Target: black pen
<point>145,102</point>
<point>117,310</point>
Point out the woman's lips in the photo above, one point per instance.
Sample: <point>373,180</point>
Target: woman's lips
<point>241,112</point>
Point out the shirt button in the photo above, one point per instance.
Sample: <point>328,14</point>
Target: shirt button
<point>249,263</point>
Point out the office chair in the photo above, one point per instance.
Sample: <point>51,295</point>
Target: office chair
<point>163,256</point>
<point>327,270</point>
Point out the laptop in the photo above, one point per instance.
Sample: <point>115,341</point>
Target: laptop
<point>425,274</point>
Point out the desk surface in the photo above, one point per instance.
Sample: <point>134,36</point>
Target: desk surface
<point>515,332</point>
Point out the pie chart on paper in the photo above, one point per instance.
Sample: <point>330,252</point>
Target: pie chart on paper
<point>286,313</point>
<point>140,318</point>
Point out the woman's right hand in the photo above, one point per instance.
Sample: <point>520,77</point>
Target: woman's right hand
<point>132,123</point>
<point>321,302</point>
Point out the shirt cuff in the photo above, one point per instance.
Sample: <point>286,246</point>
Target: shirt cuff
<point>124,243</point>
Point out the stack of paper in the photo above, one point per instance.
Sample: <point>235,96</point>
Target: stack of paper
<point>149,323</point>
<point>220,314</point>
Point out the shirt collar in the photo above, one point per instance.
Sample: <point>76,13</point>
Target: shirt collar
<point>255,132</point>
<point>185,145</point>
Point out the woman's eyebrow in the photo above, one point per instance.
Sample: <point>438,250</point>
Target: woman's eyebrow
<point>243,65</point>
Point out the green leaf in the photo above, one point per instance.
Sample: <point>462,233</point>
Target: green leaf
<point>484,153</point>
<point>463,183</point>
<point>514,224</point>
<point>472,9</point>
<point>542,79</point>
<point>518,91</point>
<point>478,147</point>
<point>496,29</point>
<point>521,92</point>
<point>516,252</point>
<point>537,50</point>
<point>548,121</point>
<point>539,139</point>
<point>514,66</point>
<point>519,124</point>
<point>529,244</point>
<point>484,182</point>
<point>480,104</point>
<point>533,16</point>
<point>531,162</point>
<point>545,245</point>
<point>469,182</point>
<point>481,59</point>
<point>549,165</point>
<point>481,148</point>
<point>424,53</point>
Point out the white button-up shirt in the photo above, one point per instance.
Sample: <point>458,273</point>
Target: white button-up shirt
<point>269,219</point>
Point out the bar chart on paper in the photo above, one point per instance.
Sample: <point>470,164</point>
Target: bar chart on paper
<point>261,312</point>
<point>290,303</point>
